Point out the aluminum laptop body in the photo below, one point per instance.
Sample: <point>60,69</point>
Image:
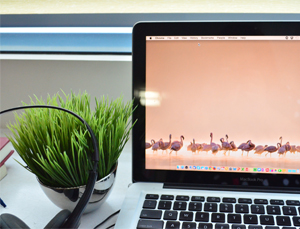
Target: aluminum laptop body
<point>217,141</point>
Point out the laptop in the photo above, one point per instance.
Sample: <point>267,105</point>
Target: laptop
<point>217,141</point>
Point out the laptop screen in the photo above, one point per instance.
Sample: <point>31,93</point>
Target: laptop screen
<point>218,103</point>
<point>223,103</point>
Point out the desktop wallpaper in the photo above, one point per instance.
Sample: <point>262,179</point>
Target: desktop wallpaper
<point>200,91</point>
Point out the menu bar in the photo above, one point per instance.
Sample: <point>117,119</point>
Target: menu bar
<point>175,38</point>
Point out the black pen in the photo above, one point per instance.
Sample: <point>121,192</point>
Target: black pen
<point>2,203</point>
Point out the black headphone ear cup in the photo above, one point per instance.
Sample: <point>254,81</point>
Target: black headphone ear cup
<point>10,221</point>
<point>58,220</point>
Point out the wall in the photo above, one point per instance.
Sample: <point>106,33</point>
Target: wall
<point>23,78</point>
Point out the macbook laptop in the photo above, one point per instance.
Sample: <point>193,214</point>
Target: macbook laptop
<point>217,141</point>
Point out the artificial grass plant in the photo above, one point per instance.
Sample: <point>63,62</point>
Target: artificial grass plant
<point>56,146</point>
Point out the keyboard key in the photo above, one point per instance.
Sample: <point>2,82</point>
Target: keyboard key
<point>226,208</point>
<point>186,216</point>
<point>151,214</point>
<point>188,225</point>
<point>238,226</point>
<point>257,209</point>
<point>241,208</point>
<point>293,202</point>
<point>167,197</point>
<point>229,200</point>
<point>283,220</point>
<point>261,201</point>
<point>151,204</point>
<point>218,217</point>
<point>152,196</point>
<point>266,220</point>
<point>213,199</point>
<point>277,202</point>
<point>170,215</point>
<point>289,210</point>
<point>234,218</point>
<point>198,198</point>
<point>245,201</point>
<point>183,198</point>
<point>296,221</point>
<point>164,205</point>
<point>221,226</point>
<point>254,227</point>
<point>288,227</point>
<point>271,227</point>
<point>210,207</point>
<point>273,210</point>
<point>205,226</point>
<point>179,205</point>
<point>172,225</point>
<point>202,217</point>
<point>250,219</point>
<point>146,224</point>
<point>195,206</point>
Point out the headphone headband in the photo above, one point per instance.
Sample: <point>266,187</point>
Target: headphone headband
<point>73,220</point>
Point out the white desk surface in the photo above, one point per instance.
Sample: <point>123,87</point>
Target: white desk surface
<point>24,198</point>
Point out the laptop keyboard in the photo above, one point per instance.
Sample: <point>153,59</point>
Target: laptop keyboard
<point>193,212</point>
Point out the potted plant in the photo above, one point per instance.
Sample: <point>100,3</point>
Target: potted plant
<point>57,148</point>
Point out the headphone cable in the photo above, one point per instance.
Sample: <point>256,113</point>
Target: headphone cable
<point>115,213</point>
<point>110,226</point>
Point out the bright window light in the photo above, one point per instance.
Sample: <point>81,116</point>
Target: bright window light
<point>111,30</point>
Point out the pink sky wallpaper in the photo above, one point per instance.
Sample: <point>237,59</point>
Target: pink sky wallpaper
<point>249,90</point>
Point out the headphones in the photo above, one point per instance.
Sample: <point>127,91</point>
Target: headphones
<point>65,218</point>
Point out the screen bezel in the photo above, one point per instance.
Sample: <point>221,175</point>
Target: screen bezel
<point>198,178</point>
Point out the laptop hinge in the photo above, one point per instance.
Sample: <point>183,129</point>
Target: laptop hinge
<point>224,188</point>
